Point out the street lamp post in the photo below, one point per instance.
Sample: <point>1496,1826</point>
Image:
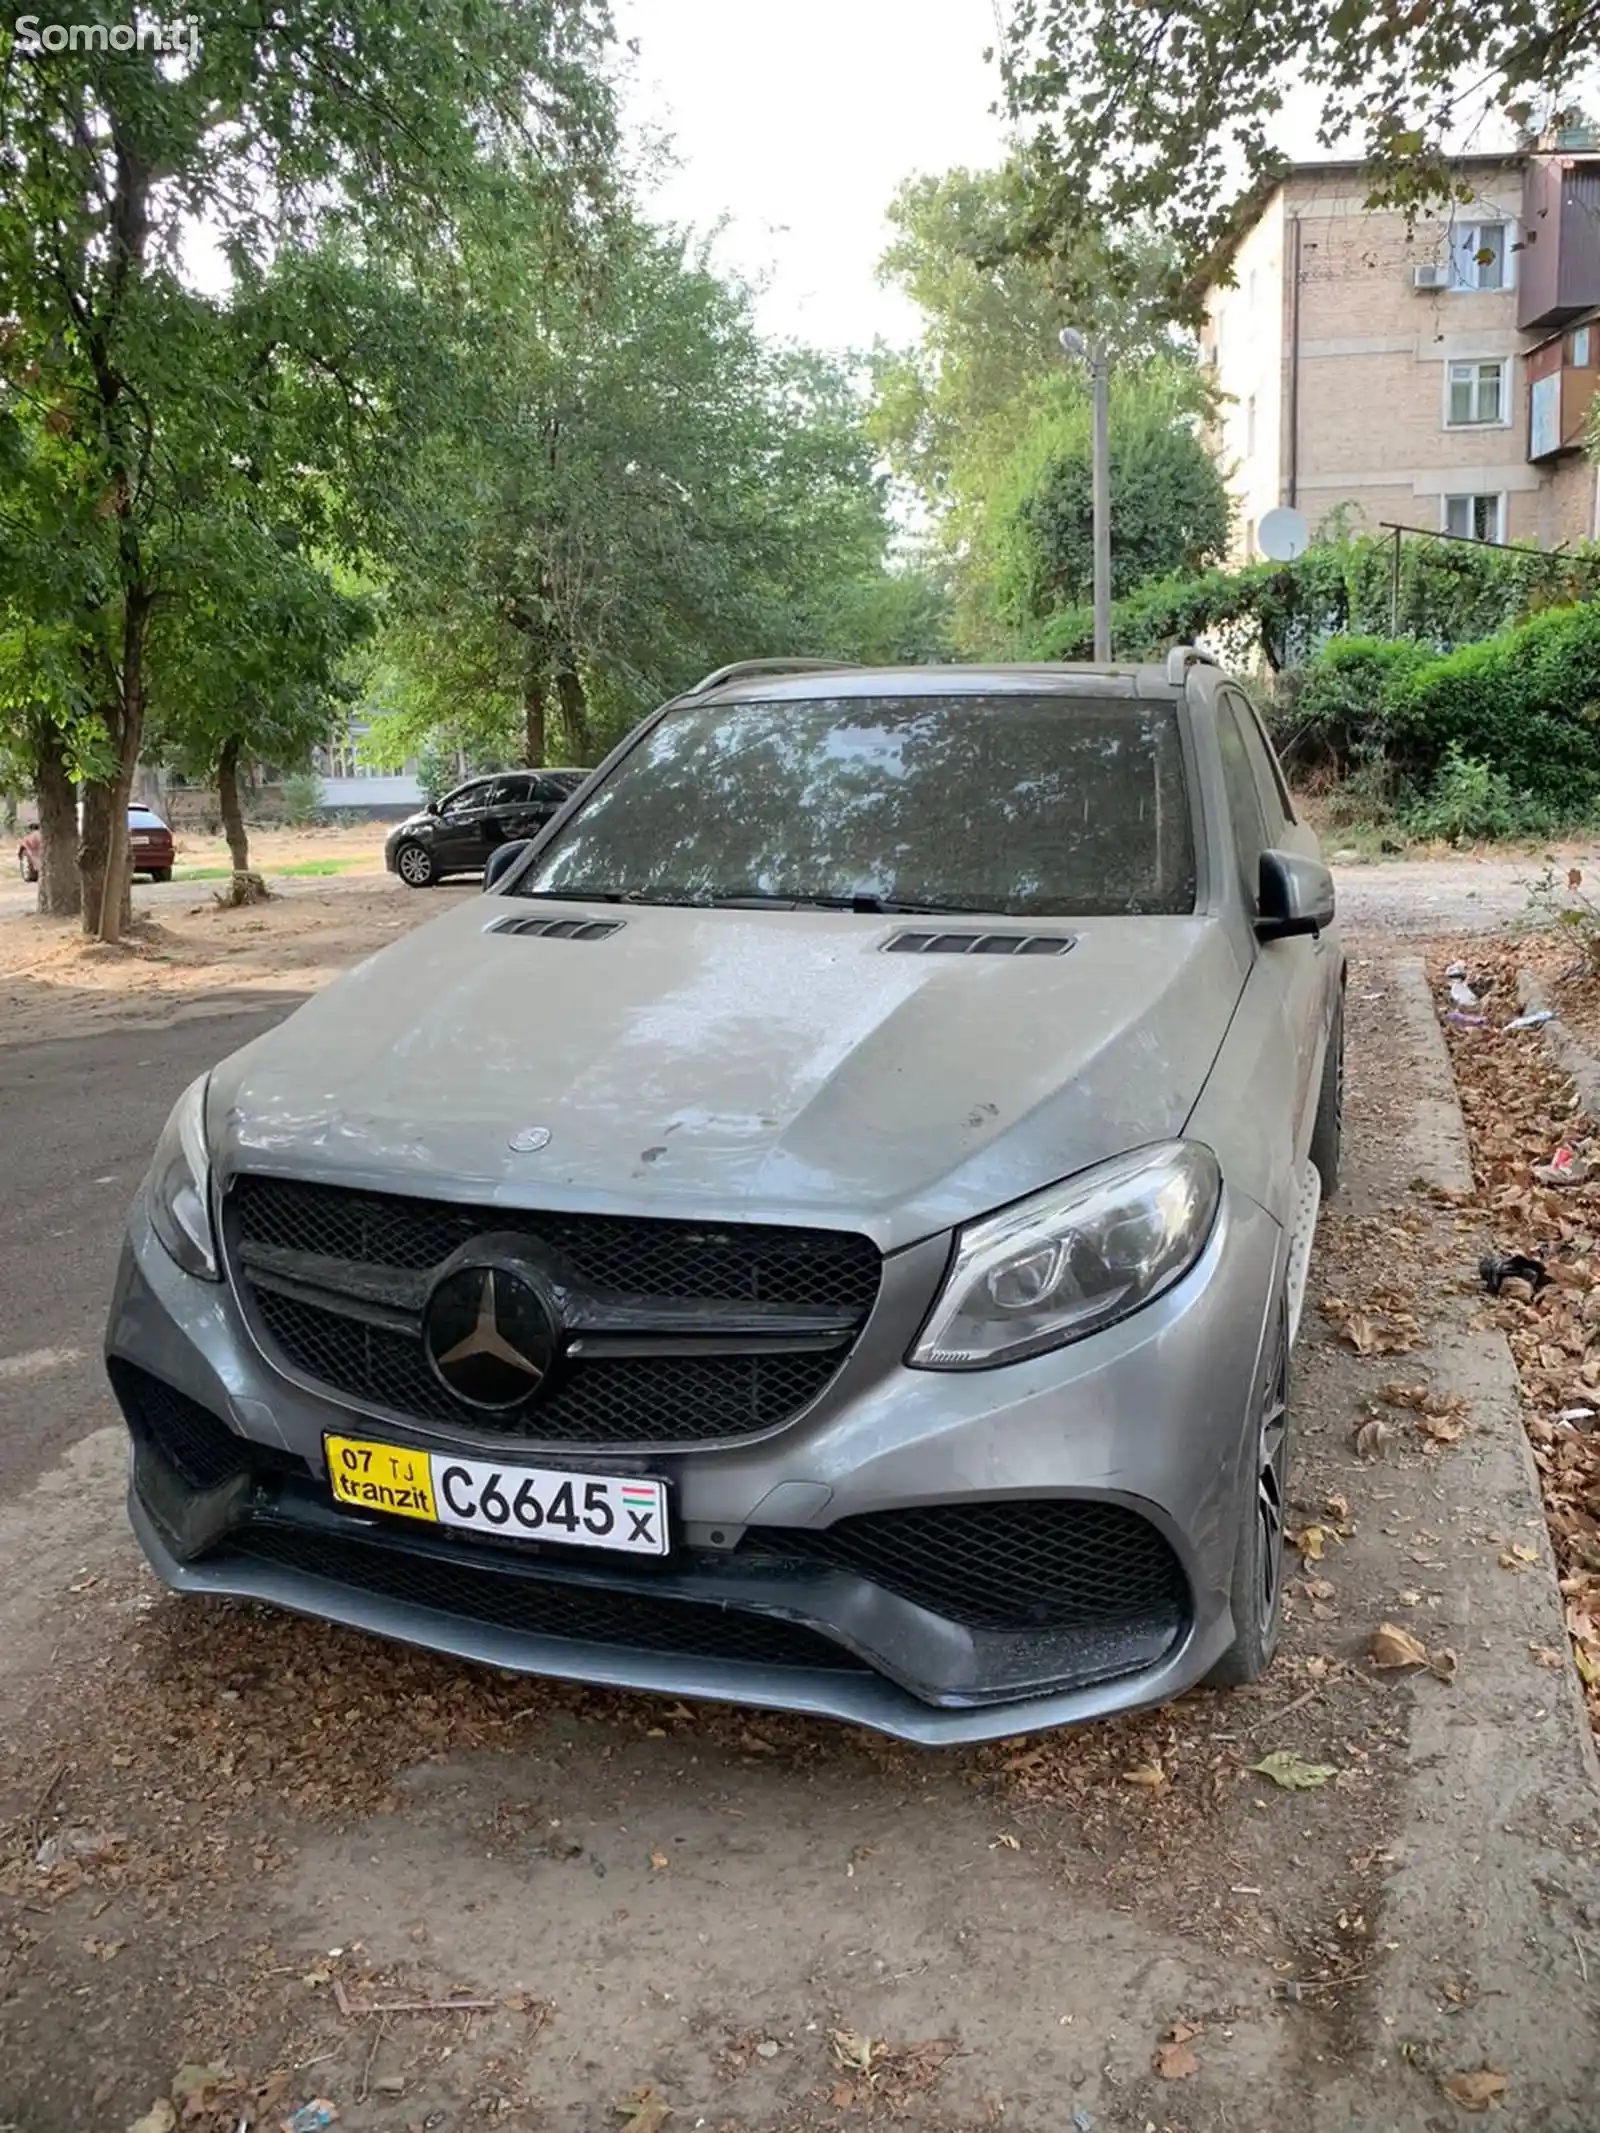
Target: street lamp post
<point>1094,352</point>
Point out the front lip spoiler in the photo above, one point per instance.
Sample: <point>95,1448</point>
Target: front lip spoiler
<point>864,1699</point>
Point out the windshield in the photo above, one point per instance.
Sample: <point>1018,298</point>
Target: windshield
<point>1036,806</point>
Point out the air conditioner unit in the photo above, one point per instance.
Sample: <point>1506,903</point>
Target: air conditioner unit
<point>1430,275</point>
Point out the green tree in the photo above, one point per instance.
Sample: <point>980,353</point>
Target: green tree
<point>248,669</point>
<point>636,486</point>
<point>1169,509</point>
<point>141,408</point>
<point>988,422</point>
<point>1156,111</point>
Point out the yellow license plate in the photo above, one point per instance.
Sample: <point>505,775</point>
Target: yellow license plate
<point>381,1477</point>
<point>624,1513</point>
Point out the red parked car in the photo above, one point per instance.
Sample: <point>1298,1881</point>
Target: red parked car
<point>149,846</point>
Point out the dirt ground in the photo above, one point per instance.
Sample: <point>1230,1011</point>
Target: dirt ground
<point>244,1858</point>
<point>187,949</point>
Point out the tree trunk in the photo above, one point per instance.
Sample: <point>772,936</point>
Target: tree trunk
<point>103,860</point>
<point>245,888</point>
<point>533,741</point>
<point>60,892</point>
<point>103,854</point>
<point>575,717</point>
<point>228,800</point>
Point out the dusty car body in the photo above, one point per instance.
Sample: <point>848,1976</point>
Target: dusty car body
<point>827,1230</point>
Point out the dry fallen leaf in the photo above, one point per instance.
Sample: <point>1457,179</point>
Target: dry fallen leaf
<point>646,2110</point>
<point>1309,1540</point>
<point>1337,1508</point>
<point>1011,1843</point>
<point>1293,1772</point>
<point>658,1860</point>
<point>1545,1655</point>
<point>1443,1664</point>
<point>160,2118</point>
<point>1392,1646</point>
<point>1441,1430</point>
<point>1373,1438</point>
<point>855,2050</point>
<point>1478,2090</point>
<point>1174,2061</point>
<point>1145,1774</point>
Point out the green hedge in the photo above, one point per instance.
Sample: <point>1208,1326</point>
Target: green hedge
<point>1526,702</point>
<point>1449,593</point>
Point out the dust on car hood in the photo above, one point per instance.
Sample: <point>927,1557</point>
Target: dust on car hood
<point>721,1064</point>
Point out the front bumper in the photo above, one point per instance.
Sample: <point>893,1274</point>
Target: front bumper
<point>1144,1425</point>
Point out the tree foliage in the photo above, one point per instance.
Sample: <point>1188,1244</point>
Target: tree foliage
<point>989,424</point>
<point>634,487</point>
<point>138,411</point>
<point>1155,111</point>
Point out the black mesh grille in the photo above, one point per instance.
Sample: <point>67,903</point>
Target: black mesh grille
<point>194,1443</point>
<point>635,1620</point>
<point>1005,1566</point>
<point>813,1269</point>
<point>602,1400</point>
<point>596,1399</point>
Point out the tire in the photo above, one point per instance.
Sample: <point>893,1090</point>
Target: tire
<point>414,864</point>
<point>26,867</point>
<point>1327,1135</point>
<point>1256,1597</point>
<point>161,873</point>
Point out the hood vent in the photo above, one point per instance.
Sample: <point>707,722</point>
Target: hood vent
<point>979,944</point>
<point>560,929</point>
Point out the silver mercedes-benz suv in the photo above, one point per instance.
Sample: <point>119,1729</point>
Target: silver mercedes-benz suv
<point>826,1229</point>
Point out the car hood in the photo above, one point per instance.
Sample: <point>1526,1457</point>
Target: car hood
<point>718,1064</point>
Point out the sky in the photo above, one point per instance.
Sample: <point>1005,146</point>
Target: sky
<point>797,123</point>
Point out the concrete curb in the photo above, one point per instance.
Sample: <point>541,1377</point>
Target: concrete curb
<point>1564,1048</point>
<point>1494,1879</point>
<point>1446,1161</point>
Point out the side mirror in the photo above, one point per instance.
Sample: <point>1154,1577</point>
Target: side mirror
<point>1296,897</point>
<point>503,858</point>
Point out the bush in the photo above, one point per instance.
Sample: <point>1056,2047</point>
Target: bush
<point>1526,703</point>
<point>302,799</point>
<point>1338,719</point>
<point>1468,801</point>
<point>1449,593</point>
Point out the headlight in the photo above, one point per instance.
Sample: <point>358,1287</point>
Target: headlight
<point>178,1189</point>
<point>1070,1260</point>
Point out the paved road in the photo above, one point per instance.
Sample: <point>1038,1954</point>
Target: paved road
<point>80,1121</point>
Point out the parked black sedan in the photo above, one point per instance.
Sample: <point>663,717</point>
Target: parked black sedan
<point>455,835</point>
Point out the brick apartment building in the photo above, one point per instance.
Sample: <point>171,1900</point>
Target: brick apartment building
<point>1437,376</point>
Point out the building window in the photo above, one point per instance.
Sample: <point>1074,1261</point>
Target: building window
<point>1475,393</point>
<point>1580,348</point>
<point>1480,255</point>
<point>1475,518</point>
<point>1250,426</point>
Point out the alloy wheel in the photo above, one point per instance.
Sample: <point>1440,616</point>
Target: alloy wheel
<point>416,867</point>
<point>1272,1442</point>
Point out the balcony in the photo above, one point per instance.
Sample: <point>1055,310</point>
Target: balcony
<point>1558,271</point>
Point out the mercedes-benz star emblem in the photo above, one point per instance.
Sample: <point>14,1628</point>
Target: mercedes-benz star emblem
<point>530,1140</point>
<point>490,1331</point>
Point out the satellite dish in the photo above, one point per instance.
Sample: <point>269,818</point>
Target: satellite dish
<point>1283,535</point>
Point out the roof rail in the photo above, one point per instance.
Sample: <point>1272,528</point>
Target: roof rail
<point>739,668</point>
<point>1184,656</point>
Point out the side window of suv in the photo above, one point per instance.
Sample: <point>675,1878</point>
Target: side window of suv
<point>1276,805</point>
<point>1244,799</point>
